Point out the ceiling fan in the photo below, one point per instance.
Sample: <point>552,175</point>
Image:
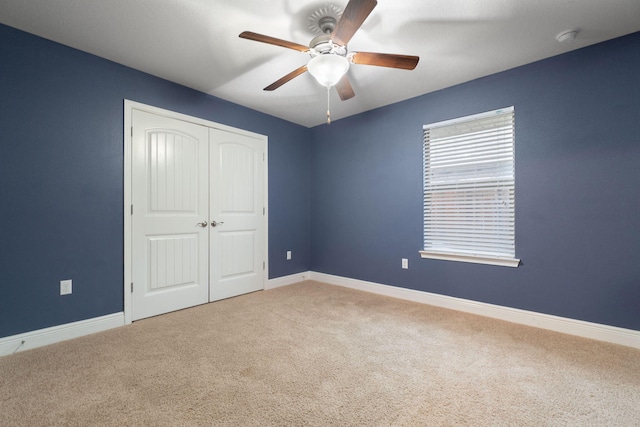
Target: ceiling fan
<point>330,58</point>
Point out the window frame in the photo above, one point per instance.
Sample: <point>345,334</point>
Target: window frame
<point>463,251</point>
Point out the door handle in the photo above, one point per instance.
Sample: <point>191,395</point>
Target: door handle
<point>202,224</point>
<point>214,223</point>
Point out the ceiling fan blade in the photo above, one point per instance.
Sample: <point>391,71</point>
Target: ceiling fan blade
<point>404,62</point>
<point>344,88</point>
<point>295,73</point>
<point>272,40</point>
<point>352,18</point>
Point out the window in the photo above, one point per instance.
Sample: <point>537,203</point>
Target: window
<point>469,210</point>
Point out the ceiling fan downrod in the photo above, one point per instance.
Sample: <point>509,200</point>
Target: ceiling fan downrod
<point>327,24</point>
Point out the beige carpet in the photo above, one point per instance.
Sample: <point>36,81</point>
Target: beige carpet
<point>319,355</point>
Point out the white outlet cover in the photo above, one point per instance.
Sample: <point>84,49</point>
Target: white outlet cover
<point>405,263</point>
<point>288,254</point>
<point>66,287</point>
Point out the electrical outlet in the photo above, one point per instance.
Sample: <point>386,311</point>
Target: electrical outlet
<point>288,255</point>
<point>65,287</point>
<point>405,263</point>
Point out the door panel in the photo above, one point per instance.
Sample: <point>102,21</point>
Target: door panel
<point>171,261</point>
<point>237,203</point>
<point>237,242</point>
<point>173,168</point>
<point>170,201</point>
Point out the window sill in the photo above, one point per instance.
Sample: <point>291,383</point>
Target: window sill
<point>504,262</point>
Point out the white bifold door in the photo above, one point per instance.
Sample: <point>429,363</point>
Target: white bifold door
<point>197,214</point>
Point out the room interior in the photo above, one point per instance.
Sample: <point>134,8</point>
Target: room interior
<point>346,198</point>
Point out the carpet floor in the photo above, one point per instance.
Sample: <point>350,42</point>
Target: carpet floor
<point>320,355</point>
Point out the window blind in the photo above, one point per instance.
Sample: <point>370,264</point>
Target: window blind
<point>469,200</point>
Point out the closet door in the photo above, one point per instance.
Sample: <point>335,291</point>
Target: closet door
<point>237,214</point>
<point>170,211</point>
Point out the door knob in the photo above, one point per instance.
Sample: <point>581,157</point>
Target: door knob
<point>214,223</point>
<point>202,224</point>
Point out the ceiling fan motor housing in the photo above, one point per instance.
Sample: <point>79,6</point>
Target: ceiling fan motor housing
<point>323,45</point>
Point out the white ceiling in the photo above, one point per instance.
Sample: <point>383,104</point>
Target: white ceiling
<point>195,43</point>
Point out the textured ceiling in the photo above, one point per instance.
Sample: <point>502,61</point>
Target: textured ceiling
<point>195,43</point>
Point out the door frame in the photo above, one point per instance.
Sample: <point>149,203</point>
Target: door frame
<point>129,106</point>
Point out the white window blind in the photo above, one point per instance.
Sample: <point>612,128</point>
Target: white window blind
<point>469,182</point>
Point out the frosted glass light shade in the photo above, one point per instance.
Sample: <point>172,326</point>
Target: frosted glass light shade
<point>328,69</point>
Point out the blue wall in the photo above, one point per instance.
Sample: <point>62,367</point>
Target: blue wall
<point>61,178</point>
<point>345,198</point>
<point>577,189</point>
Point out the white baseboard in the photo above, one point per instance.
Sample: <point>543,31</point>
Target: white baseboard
<point>54,334</point>
<point>611,334</point>
<point>596,331</point>
<point>287,280</point>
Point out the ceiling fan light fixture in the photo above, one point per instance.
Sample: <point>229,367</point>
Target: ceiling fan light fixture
<point>328,69</point>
